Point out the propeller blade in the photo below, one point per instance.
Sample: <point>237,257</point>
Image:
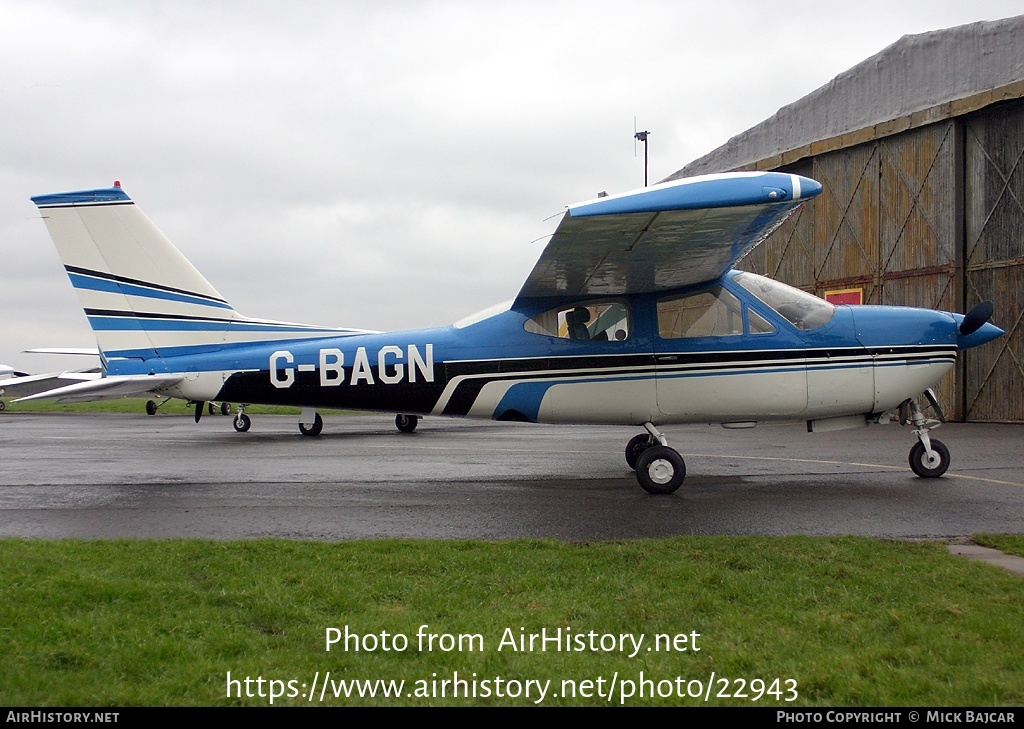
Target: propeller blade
<point>976,317</point>
<point>200,406</point>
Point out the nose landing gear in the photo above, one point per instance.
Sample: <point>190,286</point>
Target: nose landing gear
<point>929,458</point>
<point>659,468</point>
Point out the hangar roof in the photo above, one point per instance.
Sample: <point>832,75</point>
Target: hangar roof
<point>917,80</point>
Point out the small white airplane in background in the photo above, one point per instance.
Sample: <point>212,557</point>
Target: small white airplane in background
<point>633,315</point>
<point>6,374</point>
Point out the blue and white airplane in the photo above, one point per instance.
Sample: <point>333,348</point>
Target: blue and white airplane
<point>634,315</point>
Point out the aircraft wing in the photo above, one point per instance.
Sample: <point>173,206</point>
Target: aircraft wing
<point>665,236</point>
<point>106,388</point>
<point>82,351</point>
<point>25,385</point>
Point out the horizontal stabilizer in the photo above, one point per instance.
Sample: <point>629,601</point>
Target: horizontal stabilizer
<point>107,388</point>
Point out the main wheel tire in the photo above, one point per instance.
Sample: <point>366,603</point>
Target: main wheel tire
<point>406,423</point>
<point>315,429</point>
<point>926,467</point>
<point>242,423</point>
<point>637,445</point>
<point>660,470</point>
<point>3,406</point>
<point>150,407</point>
<point>225,408</point>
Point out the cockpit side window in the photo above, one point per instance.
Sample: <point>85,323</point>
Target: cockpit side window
<point>712,312</point>
<point>757,324</point>
<point>803,310</point>
<point>600,322</point>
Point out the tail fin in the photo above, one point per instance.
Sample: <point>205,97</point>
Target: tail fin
<point>142,297</point>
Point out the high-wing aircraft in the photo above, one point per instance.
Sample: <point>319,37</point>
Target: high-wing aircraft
<point>22,384</point>
<point>633,315</point>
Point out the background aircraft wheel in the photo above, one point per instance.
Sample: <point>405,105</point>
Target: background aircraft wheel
<point>150,407</point>
<point>242,423</point>
<point>926,467</point>
<point>637,445</point>
<point>660,470</point>
<point>225,408</point>
<point>315,429</point>
<point>406,423</point>
<point>3,406</point>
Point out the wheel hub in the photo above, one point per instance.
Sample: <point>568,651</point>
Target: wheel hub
<point>661,471</point>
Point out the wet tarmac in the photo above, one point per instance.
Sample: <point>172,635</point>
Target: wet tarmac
<point>100,476</point>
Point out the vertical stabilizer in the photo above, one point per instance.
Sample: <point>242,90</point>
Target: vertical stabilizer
<point>142,297</point>
<point>139,293</point>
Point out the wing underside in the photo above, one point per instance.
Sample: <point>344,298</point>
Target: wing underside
<point>665,236</point>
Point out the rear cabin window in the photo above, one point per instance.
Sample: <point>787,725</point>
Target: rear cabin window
<point>601,322</point>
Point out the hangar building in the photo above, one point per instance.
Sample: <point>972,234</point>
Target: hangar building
<point>919,149</point>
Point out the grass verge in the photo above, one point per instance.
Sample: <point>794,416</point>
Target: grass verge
<point>853,621</point>
<point>1009,543</point>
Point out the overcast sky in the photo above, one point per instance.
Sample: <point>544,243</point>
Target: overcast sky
<point>381,165</point>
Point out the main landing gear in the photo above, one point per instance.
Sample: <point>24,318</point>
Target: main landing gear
<point>311,426</point>
<point>928,458</point>
<point>406,423</point>
<point>659,468</point>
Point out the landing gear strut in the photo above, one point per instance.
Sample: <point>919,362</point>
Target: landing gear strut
<point>659,468</point>
<point>928,458</point>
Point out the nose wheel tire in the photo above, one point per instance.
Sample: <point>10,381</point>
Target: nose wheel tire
<point>315,429</point>
<point>660,470</point>
<point>242,423</point>
<point>929,467</point>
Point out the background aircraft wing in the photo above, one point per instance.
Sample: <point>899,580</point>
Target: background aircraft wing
<point>94,351</point>
<point>665,236</point>
<point>106,388</point>
<point>25,385</point>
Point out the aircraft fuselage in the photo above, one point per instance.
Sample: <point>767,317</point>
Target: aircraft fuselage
<point>862,360</point>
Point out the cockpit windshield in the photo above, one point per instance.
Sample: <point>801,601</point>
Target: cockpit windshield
<point>801,309</point>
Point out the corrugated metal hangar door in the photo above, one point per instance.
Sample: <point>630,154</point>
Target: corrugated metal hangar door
<point>995,258</point>
<point>930,217</point>
<point>885,224</point>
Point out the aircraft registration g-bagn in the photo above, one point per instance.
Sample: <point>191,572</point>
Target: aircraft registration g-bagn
<point>634,315</point>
